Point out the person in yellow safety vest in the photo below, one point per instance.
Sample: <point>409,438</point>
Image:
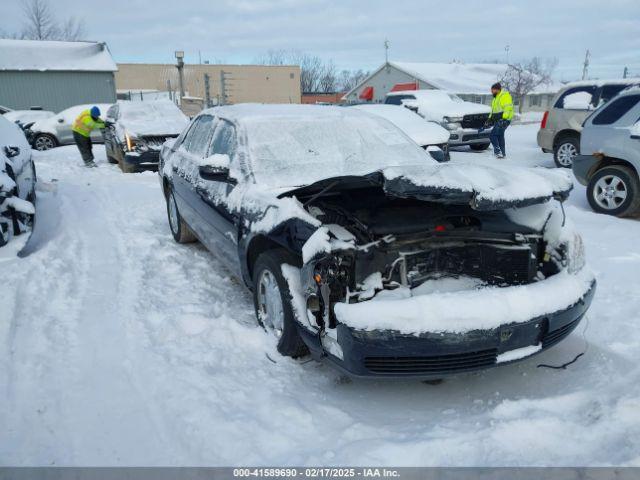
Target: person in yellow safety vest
<point>84,124</point>
<point>500,118</point>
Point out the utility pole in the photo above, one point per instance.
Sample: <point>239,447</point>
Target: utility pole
<point>585,66</point>
<point>180,66</point>
<point>625,72</point>
<point>386,50</point>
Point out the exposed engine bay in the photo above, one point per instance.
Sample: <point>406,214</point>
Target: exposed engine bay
<point>388,242</point>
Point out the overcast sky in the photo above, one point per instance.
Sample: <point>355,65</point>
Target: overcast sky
<point>352,32</point>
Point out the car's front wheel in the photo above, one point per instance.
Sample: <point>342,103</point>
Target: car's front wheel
<point>179,228</point>
<point>44,141</point>
<point>614,190</point>
<point>479,147</point>
<point>565,150</point>
<point>272,300</point>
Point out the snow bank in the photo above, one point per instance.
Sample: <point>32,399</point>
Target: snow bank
<point>484,308</point>
<point>56,56</point>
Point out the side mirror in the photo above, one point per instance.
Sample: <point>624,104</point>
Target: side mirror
<point>11,151</point>
<point>109,122</point>
<point>61,120</point>
<point>216,169</point>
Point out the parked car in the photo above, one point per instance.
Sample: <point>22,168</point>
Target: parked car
<point>610,159</point>
<point>136,131</point>
<point>25,118</point>
<point>464,120</point>
<point>361,250</point>
<point>429,135</point>
<point>17,182</point>
<point>55,131</point>
<point>561,125</point>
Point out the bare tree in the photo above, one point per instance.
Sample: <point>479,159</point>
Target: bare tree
<point>523,78</point>
<point>314,74</point>
<point>349,79</point>
<point>328,81</point>
<point>40,23</point>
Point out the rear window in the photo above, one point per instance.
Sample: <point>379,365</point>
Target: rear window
<point>616,110</point>
<point>397,99</point>
<point>577,98</point>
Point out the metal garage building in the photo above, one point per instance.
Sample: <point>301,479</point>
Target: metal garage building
<point>55,75</point>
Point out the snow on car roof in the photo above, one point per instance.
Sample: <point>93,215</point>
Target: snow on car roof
<point>600,83</point>
<point>56,56</point>
<point>472,78</point>
<point>421,131</point>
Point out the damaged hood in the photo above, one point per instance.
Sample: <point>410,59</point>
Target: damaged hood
<point>484,185</point>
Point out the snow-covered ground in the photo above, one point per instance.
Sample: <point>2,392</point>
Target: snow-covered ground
<point>120,347</point>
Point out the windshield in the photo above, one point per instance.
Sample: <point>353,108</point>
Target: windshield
<point>291,152</point>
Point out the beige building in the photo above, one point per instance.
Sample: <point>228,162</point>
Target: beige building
<point>227,83</point>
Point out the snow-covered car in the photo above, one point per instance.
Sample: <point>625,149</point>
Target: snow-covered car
<point>56,130</point>
<point>429,135</point>
<point>464,120</point>
<point>17,182</point>
<point>25,118</point>
<point>561,125</point>
<point>362,250</point>
<point>610,160</point>
<point>136,131</point>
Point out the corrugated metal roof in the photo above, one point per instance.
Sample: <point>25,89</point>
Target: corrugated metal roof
<point>55,56</point>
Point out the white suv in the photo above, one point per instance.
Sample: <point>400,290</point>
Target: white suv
<point>464,120</point>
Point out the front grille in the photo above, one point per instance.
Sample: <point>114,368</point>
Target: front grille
<point>156,141</point>
<point>434,365</point>
<point>551,338</point>
<point>476,120</point>
<point>495,264</point>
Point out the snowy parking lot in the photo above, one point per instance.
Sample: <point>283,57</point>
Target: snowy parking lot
<point>121,347</point>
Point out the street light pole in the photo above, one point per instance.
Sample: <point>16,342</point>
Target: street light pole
<point>180,66</point>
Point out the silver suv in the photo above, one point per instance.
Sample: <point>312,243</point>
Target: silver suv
<point>611,146</point>
<point>561,125</point>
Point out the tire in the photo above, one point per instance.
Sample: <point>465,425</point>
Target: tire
<point>268,278</point>
<point>614,190</point>
<point>44,141</point>
<point>7,225</point>
<point>479,147</point>
<point>564,150</point>
<point>179,228</point>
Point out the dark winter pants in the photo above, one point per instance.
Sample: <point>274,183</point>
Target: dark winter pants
<point>85,146</point>
<point>497,136</point>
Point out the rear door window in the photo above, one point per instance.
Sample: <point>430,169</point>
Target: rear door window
<point>577,98</point>
<point>615,110</point>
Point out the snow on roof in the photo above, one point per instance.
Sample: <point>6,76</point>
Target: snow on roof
<point>469,78</point>
<point>55,56</point>
<point>601,82</point>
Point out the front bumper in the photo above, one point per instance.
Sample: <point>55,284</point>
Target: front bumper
<point>147,160</point>
<point>469,136</point>
<point>388,354</point>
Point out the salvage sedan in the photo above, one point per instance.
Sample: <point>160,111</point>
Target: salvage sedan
<point>364,251</point>
<point>135,132</point>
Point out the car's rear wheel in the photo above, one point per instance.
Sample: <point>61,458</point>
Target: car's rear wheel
<point>479,147</point>
<point>564,151</point>
<point>272,300</point>
<point>44,141</point>
<point>614,190</point>
<point>179,228</point>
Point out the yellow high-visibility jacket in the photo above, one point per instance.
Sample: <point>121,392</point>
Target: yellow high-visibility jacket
<point>502,104</point>
<point>84,124</point>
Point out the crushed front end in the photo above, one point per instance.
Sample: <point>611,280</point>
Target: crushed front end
<point>401,287</point>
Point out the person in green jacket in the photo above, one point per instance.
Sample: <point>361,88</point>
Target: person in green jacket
<point>500,118</point>
<point>83,125</point>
